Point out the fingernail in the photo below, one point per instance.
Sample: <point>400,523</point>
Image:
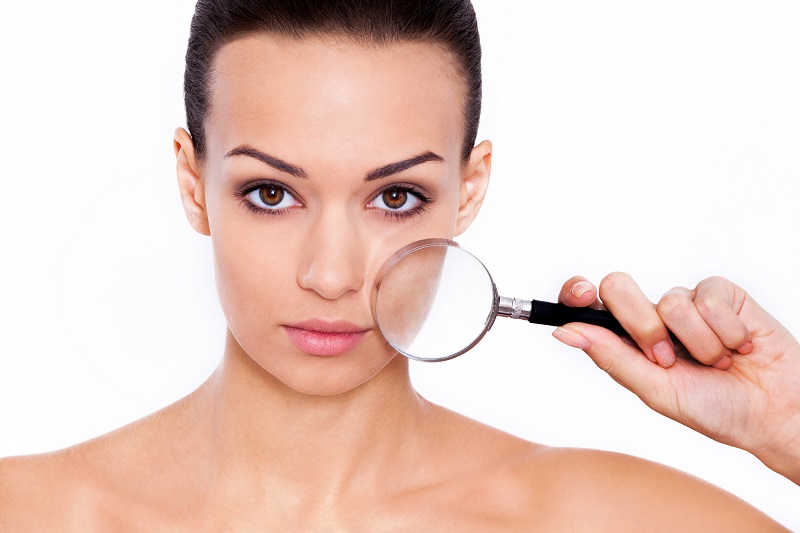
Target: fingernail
<point>570,338</point>
<point>581,288</point>
<point>664,354</point>
<point>745,348</point>
<point>724,363</point>
<point>630,342</point>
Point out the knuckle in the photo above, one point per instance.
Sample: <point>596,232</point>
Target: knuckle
<point>650,329</point>
<point>673,305</point>
<point>717,280</point>
<point>709,306</point>
<point>716,284</point>
<point>615,282</point>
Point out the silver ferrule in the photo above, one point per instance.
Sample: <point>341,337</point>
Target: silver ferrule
<point>514,308</point>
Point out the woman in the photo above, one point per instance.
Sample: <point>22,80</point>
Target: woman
<point>313,155</point>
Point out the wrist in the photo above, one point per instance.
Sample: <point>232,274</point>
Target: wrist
<point>784,460</point>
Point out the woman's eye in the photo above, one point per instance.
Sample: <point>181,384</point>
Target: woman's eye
<point>396,200</point>
<point>271,197</point>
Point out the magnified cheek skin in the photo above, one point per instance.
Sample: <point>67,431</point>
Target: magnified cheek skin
<point>407,294</point>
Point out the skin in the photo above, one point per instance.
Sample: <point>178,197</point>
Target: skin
<point>278,439</point>
<point>736,380</point>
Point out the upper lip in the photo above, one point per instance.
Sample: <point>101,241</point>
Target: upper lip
<point>328,326</point>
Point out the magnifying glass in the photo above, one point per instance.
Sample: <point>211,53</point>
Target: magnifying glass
<point>434,301</point>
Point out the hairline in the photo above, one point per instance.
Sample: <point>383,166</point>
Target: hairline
<point>332,38</point>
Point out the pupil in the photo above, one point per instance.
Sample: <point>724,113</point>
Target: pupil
<point>395,199</point>
<point>271,195</point>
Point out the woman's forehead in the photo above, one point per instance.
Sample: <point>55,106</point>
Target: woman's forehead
<point>324,96</point>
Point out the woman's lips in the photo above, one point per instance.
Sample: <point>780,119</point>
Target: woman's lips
<point>320,337</point>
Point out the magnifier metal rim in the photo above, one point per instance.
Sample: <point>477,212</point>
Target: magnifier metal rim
<point>431,243</point>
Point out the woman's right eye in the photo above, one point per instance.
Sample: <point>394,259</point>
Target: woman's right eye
<point>271,197</point>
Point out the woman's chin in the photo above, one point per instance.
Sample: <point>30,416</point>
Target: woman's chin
<point>316,379</point>
<point>326,375</point>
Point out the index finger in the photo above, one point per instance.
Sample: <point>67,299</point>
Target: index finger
<point>579,292</point>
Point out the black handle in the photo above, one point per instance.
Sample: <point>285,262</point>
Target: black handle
<point>551,314</point>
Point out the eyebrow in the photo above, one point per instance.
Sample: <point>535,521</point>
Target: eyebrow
<point>270,160</point>
<point>400,166</point>
<point>294,170</point>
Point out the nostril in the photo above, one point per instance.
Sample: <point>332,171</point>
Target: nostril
<point>330,277</point>
<point>333,257</point>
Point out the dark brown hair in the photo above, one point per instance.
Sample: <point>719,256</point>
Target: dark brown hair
<point>450,23</point>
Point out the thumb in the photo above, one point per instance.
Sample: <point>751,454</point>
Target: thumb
<point>624,363</point>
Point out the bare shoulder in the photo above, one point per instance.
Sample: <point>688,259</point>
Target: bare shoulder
<point>506,483</point>
<point>93,486</point>
<point>611,491</point>
<point>38,493</point>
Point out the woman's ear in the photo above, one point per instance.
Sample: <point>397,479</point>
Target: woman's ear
<point>189,182</point>
<point>474,182</point>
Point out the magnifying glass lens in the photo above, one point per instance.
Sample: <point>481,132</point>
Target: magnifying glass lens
<point>434,301</point>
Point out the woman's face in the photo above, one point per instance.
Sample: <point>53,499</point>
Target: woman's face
<point>322,159</point>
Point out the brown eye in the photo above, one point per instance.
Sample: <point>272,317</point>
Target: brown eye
<point>272,195</point>
<point>395,199</point>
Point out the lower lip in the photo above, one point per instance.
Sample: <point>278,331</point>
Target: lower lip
<point>323,343</point>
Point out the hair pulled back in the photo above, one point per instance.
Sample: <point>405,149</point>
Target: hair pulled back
<point>450,23</point>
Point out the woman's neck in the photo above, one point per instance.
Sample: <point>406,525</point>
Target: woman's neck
<point>267,436</point>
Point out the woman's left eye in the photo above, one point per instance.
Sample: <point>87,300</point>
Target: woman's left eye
<point>271,198</point>
<point>397,200</point>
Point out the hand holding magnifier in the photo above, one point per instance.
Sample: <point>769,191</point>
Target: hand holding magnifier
<point>435,301</point>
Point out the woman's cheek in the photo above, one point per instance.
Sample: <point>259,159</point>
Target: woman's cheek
<point>251,267</point>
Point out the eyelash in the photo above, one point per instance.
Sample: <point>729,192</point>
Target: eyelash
<point>247,189</point>
<point>399,216</point>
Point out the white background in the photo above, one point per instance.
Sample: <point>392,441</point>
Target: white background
<point>658,138</point>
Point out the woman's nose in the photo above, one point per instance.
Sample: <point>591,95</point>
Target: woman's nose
<point>334,261</point>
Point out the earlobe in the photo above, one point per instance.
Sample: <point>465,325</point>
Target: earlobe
<point>189,182</point>
<point>474,183</point>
